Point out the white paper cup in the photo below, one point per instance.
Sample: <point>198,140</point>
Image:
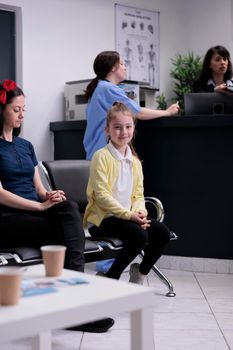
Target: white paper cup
<point>10,285</point>
<point>53,258</point>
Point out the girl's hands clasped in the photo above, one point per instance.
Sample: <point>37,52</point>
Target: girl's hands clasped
<point>141,219</point>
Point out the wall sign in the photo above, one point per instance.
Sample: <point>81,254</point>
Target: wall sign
<point>137,41</point>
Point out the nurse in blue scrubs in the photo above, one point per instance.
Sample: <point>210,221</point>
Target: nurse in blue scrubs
<point>102,92</point>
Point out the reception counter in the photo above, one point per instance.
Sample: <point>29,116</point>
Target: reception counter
<point>188,164</point>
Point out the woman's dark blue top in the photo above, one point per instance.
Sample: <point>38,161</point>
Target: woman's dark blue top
<point>17,167</point>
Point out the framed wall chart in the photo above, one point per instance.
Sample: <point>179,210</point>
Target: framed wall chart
<point>137,41</point>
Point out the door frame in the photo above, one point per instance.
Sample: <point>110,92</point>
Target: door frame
<point>18,40</point>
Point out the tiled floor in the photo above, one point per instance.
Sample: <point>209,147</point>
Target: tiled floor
<point>200,317</point>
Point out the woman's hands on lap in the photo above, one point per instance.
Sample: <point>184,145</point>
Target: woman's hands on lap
<point>52,198</point>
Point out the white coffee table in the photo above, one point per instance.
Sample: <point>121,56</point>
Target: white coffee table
<point>37,316</point>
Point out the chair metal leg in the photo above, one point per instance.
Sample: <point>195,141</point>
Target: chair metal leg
<point>163,278</point>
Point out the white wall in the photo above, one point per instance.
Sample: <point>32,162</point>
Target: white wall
<point>62,37</point>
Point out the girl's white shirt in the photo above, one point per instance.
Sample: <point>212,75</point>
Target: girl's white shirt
<point>123,187</point>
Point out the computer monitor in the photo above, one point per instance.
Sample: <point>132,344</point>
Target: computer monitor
<point>208,103</point>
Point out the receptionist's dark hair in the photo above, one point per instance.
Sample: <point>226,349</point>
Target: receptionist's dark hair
<point>206,72</point>
<point>103,64</point>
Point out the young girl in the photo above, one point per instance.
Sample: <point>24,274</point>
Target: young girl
<point>116,206</point>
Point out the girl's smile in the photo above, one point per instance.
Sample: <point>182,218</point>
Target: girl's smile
<point>121,130</point>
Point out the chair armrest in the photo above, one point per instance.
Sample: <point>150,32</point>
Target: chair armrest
<point>45,177</point>
<point>157,205</point>
<point>173,236</point>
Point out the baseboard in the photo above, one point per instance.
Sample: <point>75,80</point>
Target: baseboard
<point>195,264</point>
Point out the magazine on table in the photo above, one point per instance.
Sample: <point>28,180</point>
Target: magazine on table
<point>35,286</point>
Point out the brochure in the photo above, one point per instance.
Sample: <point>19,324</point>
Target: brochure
<point>30,287</point>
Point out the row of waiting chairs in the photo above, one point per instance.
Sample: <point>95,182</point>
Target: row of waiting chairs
<point>72,176</point>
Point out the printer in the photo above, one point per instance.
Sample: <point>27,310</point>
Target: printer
<point>75,100</point>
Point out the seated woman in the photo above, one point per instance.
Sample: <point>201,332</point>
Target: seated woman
<point>216,72</point>
<point>29,214</point>
<point>116,205</point>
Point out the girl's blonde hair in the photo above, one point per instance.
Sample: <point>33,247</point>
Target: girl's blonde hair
<point>121,107</point>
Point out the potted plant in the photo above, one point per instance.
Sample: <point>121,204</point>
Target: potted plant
<point>186,69</point>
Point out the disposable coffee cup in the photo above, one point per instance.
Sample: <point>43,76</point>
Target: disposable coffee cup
<point>10,285</point>
<point>53,258</point>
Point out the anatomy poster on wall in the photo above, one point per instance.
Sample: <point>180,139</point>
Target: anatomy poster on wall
<point>137,41</point>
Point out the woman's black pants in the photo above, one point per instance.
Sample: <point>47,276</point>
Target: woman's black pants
<point>60,224</point>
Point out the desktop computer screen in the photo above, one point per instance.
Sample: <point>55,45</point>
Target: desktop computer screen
<point>208,103</point>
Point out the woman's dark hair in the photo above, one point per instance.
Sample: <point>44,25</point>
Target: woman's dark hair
<point>121,107</point>
<point>103,64</point>
<point>206,72</point>
<point>9,97</point>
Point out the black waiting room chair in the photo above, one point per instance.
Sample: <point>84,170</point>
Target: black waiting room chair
<point>72,176</point>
